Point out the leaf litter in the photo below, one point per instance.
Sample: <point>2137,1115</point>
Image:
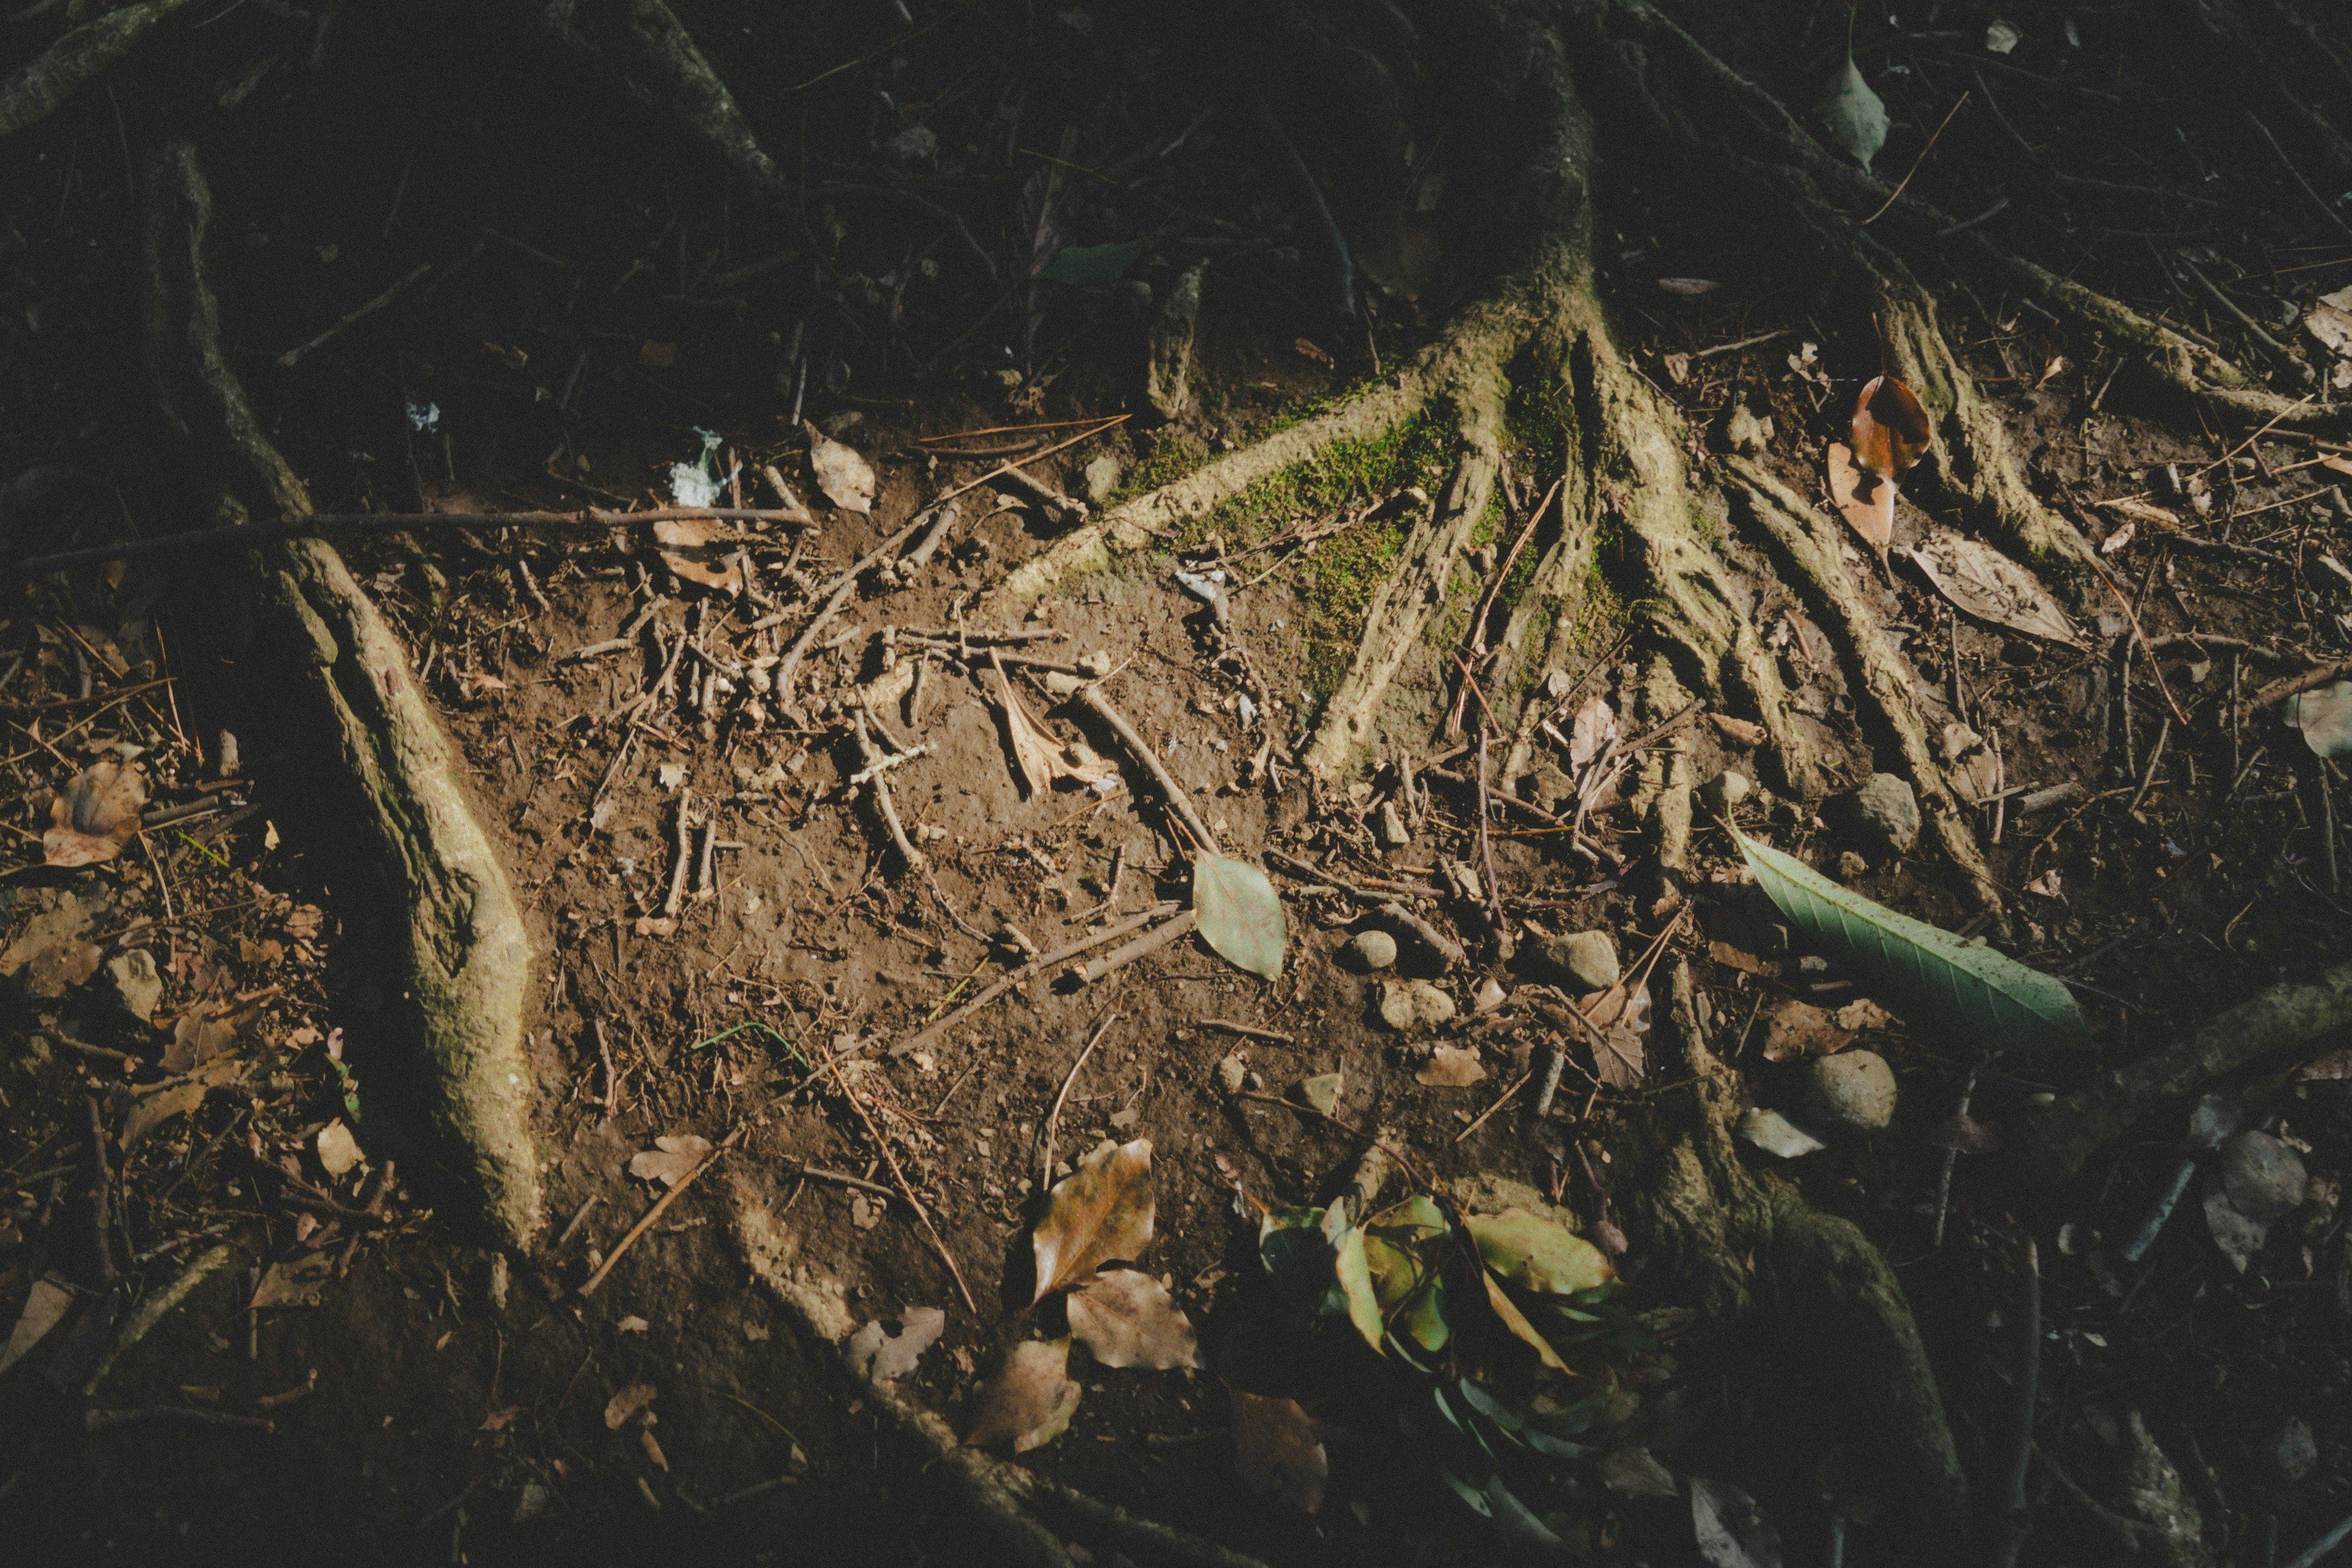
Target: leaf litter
<point>1101,1213</point>
<point>1030,1400</point>
<point>1126,1318</point>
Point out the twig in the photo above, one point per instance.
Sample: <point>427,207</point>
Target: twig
<point>175,1415</point>
<point>2278,692</point>
<point>906,1188</point>
<point>2018,1519</point>
<point>2155,759</point>
<point>2305,186</point>
<point>1449,952</point>
<point>1895,194</point>
<point>579,1218</point>
<point>2255,329</point>
<point>1151,941</point>
<point>819,1173</point>
<point>293,356</point>
<point>1553,1068</point>
<point>2155,670</point>
<point>1486,834</point>
<point>844,586</point>
<point>1500,1101</point>
<point>1001,469</point>
<point>1054,1117</point>
<point>914,858</point>
<point>660,1206</point>
<point>1178,802</point>
<point>1951,1159</point>
<point>1251,1031</point>
<point>1037,966</point>
<point>2323,1546</point>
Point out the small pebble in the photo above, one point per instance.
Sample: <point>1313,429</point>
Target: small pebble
<point>1231,1073</point>
<point>2264,1175</point>
<point>1393,830</point>
<point>1853,1091</point>
<point>1373,948</point>
<point>1415,1005</point>
<point>1886,814</point>
<point>1726,790</point>
<point>1585,959</point>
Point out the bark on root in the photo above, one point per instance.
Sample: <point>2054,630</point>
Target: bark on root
<point>40,88</point>
<point>1003,1499</point>
<point>1742,1244</point>
<point>464,957</point>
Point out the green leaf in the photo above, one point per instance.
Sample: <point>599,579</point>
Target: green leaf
<point>2324,717</point>
<point>1240,914</point>
<point>1538,1254</point>
<point>1356,1284</point>
<point>1468,1493</point>
<point>1516,1518</point>
<point>1973,991</point>
<point>1856,116</point>
<point>1491,1408</point>
<point>1091,266</point>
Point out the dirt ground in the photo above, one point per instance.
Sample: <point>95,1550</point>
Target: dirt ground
<point>601,292</point>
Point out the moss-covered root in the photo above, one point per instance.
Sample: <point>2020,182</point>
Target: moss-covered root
<point>36,91</point>
<point>660,65</point>
<point>1811,548</point>
<point>348,686</point>
<point>998,1496</point>
<point>1741,1243</point>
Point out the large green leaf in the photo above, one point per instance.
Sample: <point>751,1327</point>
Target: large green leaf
<point>1355,1278</point>
<point>1239,914</point>
<point>1538,1254</point>
<point>1089,266</point>
<point>1856,116</point>
<point>1930,975</point>
<point>2324,717</point>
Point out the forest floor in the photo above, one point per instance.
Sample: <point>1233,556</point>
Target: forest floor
<point>598,297</point>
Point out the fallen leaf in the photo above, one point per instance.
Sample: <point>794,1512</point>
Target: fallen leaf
<point>1634,1472</point>
<point>1854,116</point>
<point>1127,1318</point>
<point>2051,371</point>
<point>1623,1018</point>
<point>723,578</point>
<point>1517,1321</point>
<point>1731,1530</point>
<point>1452,1066</point>
<point>632,1324</point>
<point>1595,727</point>
<point>1274,1445</point>
<point>1891,431</point>
<point>846,478</point>
<point>205,1031</point>
<point>2335,1065</point>
<point>292,1283</point>
<point>880,1357</point>
<point>2046,885</point>
<point>653,1448</point>
<point>158,1106</point>
<point>1776,1134</point>
<point>2323,717</point>
<point>1239,914</point>
<point>626,1403</point>
<point>45,1308</point>
<point>1029,1402</point>
<point>1738,731</point>
<point>1322,1091</point>
<point>501,1419</point>
<point>2120,537</point>
<point>1989,586</point>
<point>671,1157</point>
<point>1801,1029</point>
<point>2138,511</point>
<point>337,1149</point>
<point>1965,1133</point>
<point>1099,1213</point>
<point>1538,1254</point>
<point>1865,501</point>
<point>2330,320</point>
<point>2001,36</point>
<point>96,817</point>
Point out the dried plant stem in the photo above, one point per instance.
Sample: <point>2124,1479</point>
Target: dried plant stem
<point>660,1206</point>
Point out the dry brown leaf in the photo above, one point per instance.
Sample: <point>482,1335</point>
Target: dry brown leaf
<point>653,1448</point>
<point>880,1356</point>
<point>1126,1318</point>
<point>1801,1029</point>
<point>1989,586</point>
<point>684,533</point>
<point>1890,429</point>
<point>670,1158</point>
<point>1101,1213</point>
<point>45,1308</point>
<point>2335,464</point>
<point>96,817</point>
<point>725,579</point>
<point>1634,1471</point>
<point>150,1107</point>
<point>1738,731</point>
<point>1863,500</point>
<point>1029,1402</point>
<point>626,1403</point>
<point>1623,1017</point>
<point>339,1152</point>
<point>1451,1066</point>
<point>847,479</point>
<point>205,1031</point>
<point>1595,727</point>
<point>2330,320</point>
<point>60,967</point>
<point>293,1283</point>
<point>1274,1445</point>
<point>2141,512</point>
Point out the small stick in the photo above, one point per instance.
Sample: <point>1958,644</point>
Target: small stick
<point>293,356</point>
<point>1042,962</point>
<point>2324,1545</point>
<point>914,858</point>
<point>2019,1520</point>
<point>1553,1068</point>
<point>1054,1117</point>
<point>1951,1158</point>
<point>1449,952</point>
<point>2305,186</point>
<point>819,1173</point>
<point>175,1415</point>
<point>1589,847</point>
<point>1178,802</point>
<point>2328,820</point>
<point>578,1219</point>
<point>100,1195</point>
<point>844,586</point>
<point>2236,664</point>
<point>671,905</point>
<point>1143,946</point>
<point>2155,670</point>
<point>2155,758</point>
<point>906,1188</point>
<point>530,585</point>
<point>612,1101</point>
<point>1486,839</point>
<point>2278,692</point>
<point>1502,1099</point>
<point>702,864</point>
<point>1000,471</point>
<point>1250,1030</point>
<point>660,1206</point>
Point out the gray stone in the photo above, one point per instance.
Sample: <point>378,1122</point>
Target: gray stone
<point>1726,790</point>
<point>1853,1091</point>
<point>1584,959</point>
<point>1886,814</point>
<point>1231,1073</point>
<point>1413,1005</point>
<point>1102,478</point>
<point>1373,948</point>
<point>2264,1175</point>
<point>1393,831</point>
<point>136,982</point>
<point>1553,787</point>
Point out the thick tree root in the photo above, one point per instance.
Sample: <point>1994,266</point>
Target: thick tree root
<point>999,1496</point>
<point>1739,1244</point>
<point>39,90</point>
<point>659,65</point>
<point>2054,1141</point>
<point>1811,544</point>
<point>465,958</point>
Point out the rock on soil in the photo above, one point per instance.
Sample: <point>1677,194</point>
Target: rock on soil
<point>1853,1091</point>
<point>2264,1175</point>
<point>1886,814</point>
<point>137,984</point>
<point>1584,959</point>
<point>1373,948</point>
<point>1415,1005</point>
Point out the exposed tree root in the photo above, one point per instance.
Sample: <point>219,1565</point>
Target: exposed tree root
<point>999,1496</point>
<point>35,92</point>
<point>342,677</point>
<point>660,67</point>
<point>1809,543</point>
<point>2055,1141</point>
<point>1741,1243</point>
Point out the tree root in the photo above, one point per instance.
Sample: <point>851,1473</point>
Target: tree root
<point>661,68</point>
<point>1004,1498</point>
<point>465,957</point>
<point>1739,1243</point>
<point>39,90</point>
<point>2303,65</point>
<point>2056,1140</point>
<point>1809,543</point>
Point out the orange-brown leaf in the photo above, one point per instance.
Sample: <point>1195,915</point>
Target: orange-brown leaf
<point>1890,429</point>
<point>1099,1213</point>
<point>96,817</point>
<point>1128,1319</point>
<point>1274,1445</point>
<point>1030,1400</point>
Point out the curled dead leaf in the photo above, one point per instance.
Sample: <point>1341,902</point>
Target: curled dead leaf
<point>1029,1402</point>
<point>205,1031</point>
<point>1274,1445</point>
<point>879,1356</point>
<point>670,1158</point>
<point>1127,1318</point>
<point>626,1403</point>
<point>1989,586</point>
<point>96,817</point>
<point>1865,500</point>
<point>1101,1213</point>
<point>1890,429</point>
<point>846,478</point>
